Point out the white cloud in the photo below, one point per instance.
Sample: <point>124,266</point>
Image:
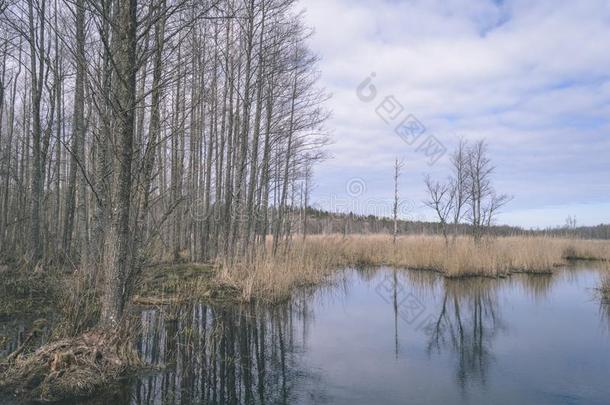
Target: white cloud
<point>532,77</point>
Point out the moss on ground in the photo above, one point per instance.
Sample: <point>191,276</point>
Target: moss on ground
<point>27,294</point>
<point>177,283</point>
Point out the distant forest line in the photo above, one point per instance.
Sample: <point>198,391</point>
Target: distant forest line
<point>325,222</point>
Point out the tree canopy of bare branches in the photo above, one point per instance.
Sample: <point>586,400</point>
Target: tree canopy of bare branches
<point>135,130</point>
<point>468,193</point>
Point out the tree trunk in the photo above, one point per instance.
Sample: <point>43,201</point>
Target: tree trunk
<point>37,177</point>
<point>115,294</point>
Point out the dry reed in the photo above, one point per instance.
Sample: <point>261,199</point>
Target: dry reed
<point>314,260</point>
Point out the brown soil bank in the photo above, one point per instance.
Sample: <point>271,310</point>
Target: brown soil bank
<point>69,368</point>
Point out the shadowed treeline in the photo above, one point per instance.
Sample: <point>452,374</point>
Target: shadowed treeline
<point>320,221</point>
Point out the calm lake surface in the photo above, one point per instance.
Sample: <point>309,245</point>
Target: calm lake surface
<point>380,336</point>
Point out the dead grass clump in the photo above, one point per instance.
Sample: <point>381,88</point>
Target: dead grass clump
<point>273,279</point>
<point>582,249</point>
<point>309,261</point>
<point>70,368</point>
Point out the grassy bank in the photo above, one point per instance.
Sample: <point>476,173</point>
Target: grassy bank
<point>314,260</point>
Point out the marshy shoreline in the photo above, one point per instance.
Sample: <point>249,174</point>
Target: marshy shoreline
<point>309,262</point>
<point>313,260</point>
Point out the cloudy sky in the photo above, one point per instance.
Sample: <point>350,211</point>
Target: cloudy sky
<point>532,77</point>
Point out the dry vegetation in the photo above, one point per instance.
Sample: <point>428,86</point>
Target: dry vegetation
<point>23,292</point>
<point>313,261</point>
<point>70,368</point>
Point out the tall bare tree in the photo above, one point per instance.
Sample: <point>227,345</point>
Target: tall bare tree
<point>468,193</point>
<point>398,165</point>
<point>142,130</point>
<point>442,198</point>
<point>116,293</point>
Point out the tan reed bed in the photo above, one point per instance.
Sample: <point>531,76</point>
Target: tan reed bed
<point>314,260</point>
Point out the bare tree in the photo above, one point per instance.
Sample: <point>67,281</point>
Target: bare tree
<point>37,48</point>
<point>135,130</point>
<point>116,293</point>
<point>398,165</point>
<point>494,204</point>
<point>459,183</point>
<point>484,202</point>
<point>78,142</point>
<point>442,199</point>
<point>468,193</point>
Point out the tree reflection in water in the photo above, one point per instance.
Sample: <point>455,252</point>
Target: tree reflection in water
<point>466,323</point>
<point>220,356</point>
<point>604,299</point>
<point>256,354</point>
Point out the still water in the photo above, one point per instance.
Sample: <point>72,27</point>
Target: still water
<point>380,336</point>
